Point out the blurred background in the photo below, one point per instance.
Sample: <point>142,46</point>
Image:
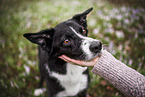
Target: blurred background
<point>119,24</point>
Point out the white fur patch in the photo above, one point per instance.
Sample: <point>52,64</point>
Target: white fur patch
<point>85,44</point>
<point>86,49</point>
<point>73,82</point>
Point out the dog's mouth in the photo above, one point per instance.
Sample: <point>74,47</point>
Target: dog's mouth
<point>98,54</point>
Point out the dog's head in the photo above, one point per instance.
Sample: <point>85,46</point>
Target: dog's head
<point>68,38</point>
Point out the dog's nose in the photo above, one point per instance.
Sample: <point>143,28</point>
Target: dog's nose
<point>96,46</point>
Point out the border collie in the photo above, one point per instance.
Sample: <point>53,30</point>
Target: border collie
<point>67,38</point>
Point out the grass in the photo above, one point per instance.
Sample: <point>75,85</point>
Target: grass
<point>120,28</point>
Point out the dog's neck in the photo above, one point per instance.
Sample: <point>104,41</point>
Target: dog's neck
<point>57,65</point>
<point>60,66</point>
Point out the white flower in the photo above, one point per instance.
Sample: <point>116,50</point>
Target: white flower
<point>107,18</point>
<point>126,21</point>
<point>111,44</point>
<point>107,39</point>
<point>109,25</point>
<point>123,9</point>
<point>27,69</point>
<point>136,35</point>
<point>120,47</point>
<point>119,34</point>
<point>96,31</point>
<point>28,24</point>
<point>39,91</point>
<point>115,10</point>
<point>99,13</point>
<point>92,22</point>
<point>109,30</point>
<point>126,14</point>
<point>130,62</point>
<point>119,17</point>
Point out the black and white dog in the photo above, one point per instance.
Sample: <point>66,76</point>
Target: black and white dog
<point>67,38</point>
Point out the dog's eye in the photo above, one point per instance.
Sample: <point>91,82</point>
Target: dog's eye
<point>66,41</point>
<point>84,32</point>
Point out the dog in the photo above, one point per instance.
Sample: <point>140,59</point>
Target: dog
<point>67,38</point>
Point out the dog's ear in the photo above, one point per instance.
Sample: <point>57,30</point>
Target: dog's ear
<point>81,18</point>
<point>42,38</point>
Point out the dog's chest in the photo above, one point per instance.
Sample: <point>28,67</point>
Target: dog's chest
<point>73,81</point>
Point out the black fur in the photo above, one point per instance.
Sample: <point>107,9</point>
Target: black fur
<point>51,46</point>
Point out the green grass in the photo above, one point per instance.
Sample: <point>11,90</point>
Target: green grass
<point>120,28</point>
